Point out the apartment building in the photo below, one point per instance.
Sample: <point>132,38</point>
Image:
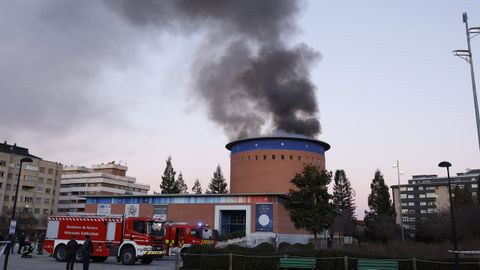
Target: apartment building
<point>428,194</point>
<point>38,187</point>
<point>103,179</point>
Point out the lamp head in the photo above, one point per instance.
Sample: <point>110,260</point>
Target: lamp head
<point>26,159</point>
<point>465,17</point>
<point>445,164</point>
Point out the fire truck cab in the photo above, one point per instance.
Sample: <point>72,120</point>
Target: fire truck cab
<point>180,237</point>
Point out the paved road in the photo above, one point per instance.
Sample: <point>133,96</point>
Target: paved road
<point>44,262</point>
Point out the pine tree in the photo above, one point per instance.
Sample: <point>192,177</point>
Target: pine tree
<point>218,184</point>
<point>309,204</point>
<point>379,198</point>
<point>197,187</point>
<point>180,185</point>
<point>168,179</point>
<point>380,221</point>
<point>343,202</point>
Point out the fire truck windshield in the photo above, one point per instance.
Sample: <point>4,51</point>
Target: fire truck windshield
<point>155,228</point>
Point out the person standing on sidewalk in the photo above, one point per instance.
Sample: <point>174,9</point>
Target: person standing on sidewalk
<point>87,252</point>
<point>72,247</point>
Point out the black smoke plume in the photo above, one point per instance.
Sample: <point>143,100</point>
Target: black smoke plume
<point>251,80</point>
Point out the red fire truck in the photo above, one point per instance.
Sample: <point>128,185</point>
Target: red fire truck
<point>180,237</point>
<point>129,239</point>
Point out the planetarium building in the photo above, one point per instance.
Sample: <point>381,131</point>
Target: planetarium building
<point>260,174</point>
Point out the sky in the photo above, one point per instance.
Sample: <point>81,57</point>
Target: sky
<point>86,82</point>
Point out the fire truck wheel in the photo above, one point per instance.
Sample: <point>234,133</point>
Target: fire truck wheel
<point>128,255</point>
<point>79,255</point>
<point>147,260</point>
<point>182,252</point>
<point>60,253</point>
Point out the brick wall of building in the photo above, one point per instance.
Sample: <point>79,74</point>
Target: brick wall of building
<point>251,173</point>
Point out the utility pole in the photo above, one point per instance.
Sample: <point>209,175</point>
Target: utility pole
<point>467,56</point>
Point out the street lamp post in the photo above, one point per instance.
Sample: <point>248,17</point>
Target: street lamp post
<point>446,164</point>
<point>467,56</point>
<point>400,200</point>
<point>12,219</point>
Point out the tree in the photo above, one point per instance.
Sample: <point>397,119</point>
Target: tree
<point>25,221</point>
<point>462,198</point>
<point>218,184</point>
<point>309,204</point>
<point>380,221</point>
<point>343,202</point>
<point>197,187</point>
<point>168,179</point>
<point>180,185</point>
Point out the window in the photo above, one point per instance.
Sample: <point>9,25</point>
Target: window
<point>404,211</point>
<point>139,226</point>
<point>431,210</point>
<point>46,211</point>
<point>461,186</point>
<point>299,158</point>
<point>291,157</point>
<point>50,171</point>
<point>2,174</point>
<point>474,185</point>
<point>282,157</point>
<point>273,156</point>
<point>42,169</point>
<point>404,218</point>
<point>36,211</point>
<point>411,204</point>
<point>264,157</point>
<point>404,204</point>
<point>38,200</point>
<point>410,196</point>
<point>413,226</point>
<point>431,195</point>
<point>1,185</point>
<point>49,181</point>
<point>423,203</point>
<point>6,198</point>
<point>403,189</point>
<point>3,163</point>
<point>40,180</point>
<point>47,201</point>
<point>256,157</point>
<point>30,167</point>
<point>411,211</point>
<point>410,188</point>
<point>431,203</point>
<point>47,191</point>
<point>30,178</point>
<point>412,219</point>
<point>8,187</point>
<point>39,189</point>
<point>421,196</point>
<point>474,194</point>
<point>430,188</point>
<point>403,196</point>
<point>423,211</point>
<point>420,188</point>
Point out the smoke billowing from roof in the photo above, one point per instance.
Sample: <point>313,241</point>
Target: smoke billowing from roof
<point>250,79</point>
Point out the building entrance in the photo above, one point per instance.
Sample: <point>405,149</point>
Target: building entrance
<point>232,221</point>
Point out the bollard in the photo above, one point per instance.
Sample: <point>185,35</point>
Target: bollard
<point>177,261</point>
<point>414,264</point>
<point>345,263</point>
<point>230,261</point>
